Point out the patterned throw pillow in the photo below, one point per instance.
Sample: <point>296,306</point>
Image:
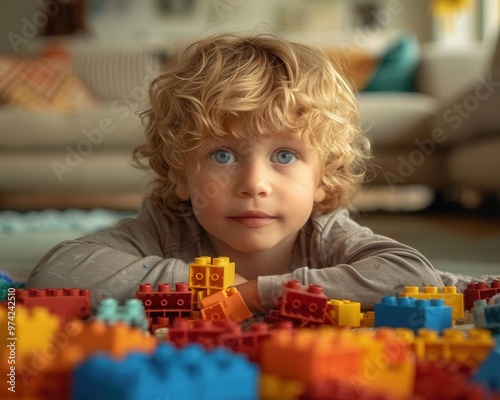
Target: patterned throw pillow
<point>43,83</point>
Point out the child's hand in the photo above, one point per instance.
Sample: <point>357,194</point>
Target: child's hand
<point>250,294</point>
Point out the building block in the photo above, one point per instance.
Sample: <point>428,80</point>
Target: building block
<point>368,319</point>
<point>449,294</point>
<point>380,362</point>
<point>408,312</point>
<point>164,304</point>
<point>117,339</point>
<point>454,346</point>
<point>169,373</point>
<point>480,291</point>
<point>216,274</point>
<point>488,373</point>
<point>274,387</point>
<point>305,303</point>
<point>68,303</point>
<point>27,321</point>
<point>225,304</point>
<point>340,390</point>
<point>132,313</point>
<point>204,332</point>
<point>438,380</point>
<point>309,356</point>
<point>486,316</point>
<point>344,313</point>
<point>6,284</point>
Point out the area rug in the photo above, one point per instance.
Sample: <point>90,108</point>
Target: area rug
<point>26,237</point>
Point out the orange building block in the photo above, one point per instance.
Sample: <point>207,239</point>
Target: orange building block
<point>309,356</point>
<point>118,339</point>
<point>380,362</point>
<point>226,304</point>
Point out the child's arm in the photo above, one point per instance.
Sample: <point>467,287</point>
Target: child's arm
<point>350,262</point>
<point>112,263</point>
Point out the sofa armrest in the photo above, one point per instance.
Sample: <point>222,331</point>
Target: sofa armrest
<point>447,72</point>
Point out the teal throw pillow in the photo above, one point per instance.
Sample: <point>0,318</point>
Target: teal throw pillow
<point>397,68</point>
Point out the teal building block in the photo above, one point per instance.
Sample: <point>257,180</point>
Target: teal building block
<point>132,313</point>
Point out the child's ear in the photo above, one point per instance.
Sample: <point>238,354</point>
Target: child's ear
<point>320,194</point>
<point>182,191</point>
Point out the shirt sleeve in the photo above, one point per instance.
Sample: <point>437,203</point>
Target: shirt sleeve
<point>351,262</point>
<point>113,262</point>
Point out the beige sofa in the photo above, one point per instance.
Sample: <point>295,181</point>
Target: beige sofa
<point>82,159</point>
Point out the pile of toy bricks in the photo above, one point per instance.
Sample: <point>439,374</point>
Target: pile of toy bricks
<point>189,343</point>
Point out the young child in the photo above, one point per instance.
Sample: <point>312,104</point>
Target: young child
<point>257,149</point>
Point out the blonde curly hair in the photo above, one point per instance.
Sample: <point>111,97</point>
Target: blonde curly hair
<point>251,85</point>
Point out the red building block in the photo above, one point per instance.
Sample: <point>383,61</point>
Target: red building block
<point>206,333</point>
<point>446,381</point>
<point>480,291</point>
<point>307,303</point>
<point>165,303</point>
<point>68,303</point>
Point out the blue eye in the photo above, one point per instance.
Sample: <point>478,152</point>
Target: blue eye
<point>284,157</point>
<point>223,156</point>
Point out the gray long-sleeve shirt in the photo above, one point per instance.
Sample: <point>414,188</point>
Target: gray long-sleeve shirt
<point>349,261</point>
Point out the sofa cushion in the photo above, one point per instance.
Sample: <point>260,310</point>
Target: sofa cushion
<point>396,118</point>
<point>46,82</point>
<point>397,67</point>
<point>114,72</point>
<point>103,126</point>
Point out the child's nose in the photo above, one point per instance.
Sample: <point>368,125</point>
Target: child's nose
<point>254,180</point>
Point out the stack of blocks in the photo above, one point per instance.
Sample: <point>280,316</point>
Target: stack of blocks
<point>210,281</point>
<point>448,293</point>
<point>113,357</point>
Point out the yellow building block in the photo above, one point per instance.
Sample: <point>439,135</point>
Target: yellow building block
<point>448,293</point>
<point>30,328</point>
<point>273,387</point>
<point>216,274</point>
<point>453,345</point>
<point>344,313</point>
<point>368,319</point>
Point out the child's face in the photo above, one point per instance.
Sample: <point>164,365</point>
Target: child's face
<point>253,194</point>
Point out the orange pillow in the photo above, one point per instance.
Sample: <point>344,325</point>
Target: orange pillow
<point>358,66</point>
<point>46,82</point>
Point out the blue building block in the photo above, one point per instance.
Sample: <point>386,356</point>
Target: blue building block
<point>488,373</point>
<point>169,373</point>
<point>486,316</point>
<point>408,312</point>
<point>132,313</point>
